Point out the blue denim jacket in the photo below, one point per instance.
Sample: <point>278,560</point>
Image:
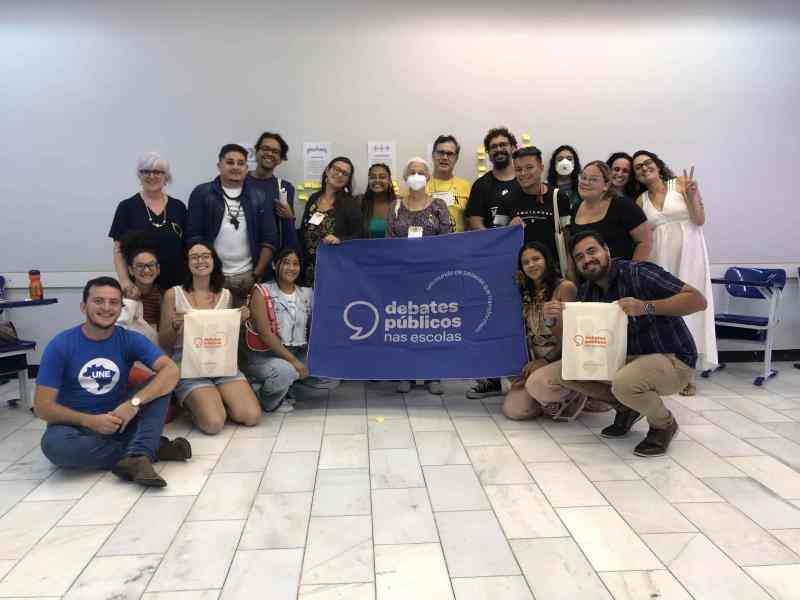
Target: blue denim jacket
<point>207,208</point>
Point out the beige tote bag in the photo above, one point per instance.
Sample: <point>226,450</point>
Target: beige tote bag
<point>595,341</point>
<point>210,343</point>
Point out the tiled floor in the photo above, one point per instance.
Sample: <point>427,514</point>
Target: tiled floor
<point>364,494</point>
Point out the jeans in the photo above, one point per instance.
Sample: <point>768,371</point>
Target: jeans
<point>76,447</point>
<point>275,374</point>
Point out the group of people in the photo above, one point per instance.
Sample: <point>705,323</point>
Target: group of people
<point>625,230</point>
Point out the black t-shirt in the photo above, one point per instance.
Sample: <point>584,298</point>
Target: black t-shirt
<point>132,215</point>
<point>537,216</point>
<point>486,197</point>
<point>623,215</point>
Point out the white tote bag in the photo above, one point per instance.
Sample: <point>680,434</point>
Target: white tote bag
<point>132,318</point>
<point>210,343</point>
<point>595,341</point>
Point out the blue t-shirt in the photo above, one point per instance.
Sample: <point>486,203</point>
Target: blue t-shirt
<point>92,376</point>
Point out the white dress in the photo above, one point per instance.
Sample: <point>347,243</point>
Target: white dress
<point>679,247</point>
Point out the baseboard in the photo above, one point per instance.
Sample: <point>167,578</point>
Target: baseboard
<point>735,356</point>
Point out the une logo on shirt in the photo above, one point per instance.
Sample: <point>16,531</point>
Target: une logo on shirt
<point>98,376</point>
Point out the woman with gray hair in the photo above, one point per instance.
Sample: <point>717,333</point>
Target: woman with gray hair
<point>416,215</point>
<point>152,211</point>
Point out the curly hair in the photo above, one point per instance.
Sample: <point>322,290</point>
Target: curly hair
<point>633,188</point>
<point>552,174</point>
<point>664,172</point>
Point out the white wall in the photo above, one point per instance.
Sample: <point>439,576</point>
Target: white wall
<point>89,86</point>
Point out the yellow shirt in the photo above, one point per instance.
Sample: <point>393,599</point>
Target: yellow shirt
<point>454,193</point>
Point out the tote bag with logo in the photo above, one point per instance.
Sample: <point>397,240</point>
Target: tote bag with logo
<point>595,341</point>
<point>210,343</point>
<point>132,318</point>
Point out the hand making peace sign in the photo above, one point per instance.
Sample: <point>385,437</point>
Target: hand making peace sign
<point>687,184</point>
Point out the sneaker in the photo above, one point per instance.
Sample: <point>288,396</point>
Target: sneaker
<point>484,388</point>
<point>287,405</point>
<point>404,387</point>
<point>267,400</point>
<point>177,449</point>
<point>434,387</point>
<point>623,421</point>
<point>657,440</point>
<point>138,469</point>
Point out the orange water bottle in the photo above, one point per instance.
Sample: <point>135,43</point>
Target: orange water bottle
<point>35,289</point>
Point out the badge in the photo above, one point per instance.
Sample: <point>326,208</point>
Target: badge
<point>501,220</point>
<point>283,196</point>
<point>447,197</point>
<point>317,218</point>
<point>414,231</point>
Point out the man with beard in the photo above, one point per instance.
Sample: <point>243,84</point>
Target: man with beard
<point>237,219</point>
<point>93,420</point>
<point>489,190</point>
<point>444,185</point>
<point>661,351</point>
<point>484,211</point>
<point>271,151</point>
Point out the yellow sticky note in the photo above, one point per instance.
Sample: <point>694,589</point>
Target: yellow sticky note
<point>526,137</point>
<point>379,419</point>
<point>302,196</point>
<point>481,149</point>
<point>301,186</point>
<point>481,168</point>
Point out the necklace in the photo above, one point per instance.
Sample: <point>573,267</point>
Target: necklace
<point>151,215</point>
<point>233,217</point>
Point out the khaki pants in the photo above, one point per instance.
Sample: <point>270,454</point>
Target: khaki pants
<point>639,385</point>
<point>233,283</point>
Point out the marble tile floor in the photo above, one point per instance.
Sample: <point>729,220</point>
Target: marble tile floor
<point>365,494</point>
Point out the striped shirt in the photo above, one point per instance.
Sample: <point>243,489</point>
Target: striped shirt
<point>648,334</point>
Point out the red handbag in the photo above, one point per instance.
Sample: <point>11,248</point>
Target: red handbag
<point>251,337</point>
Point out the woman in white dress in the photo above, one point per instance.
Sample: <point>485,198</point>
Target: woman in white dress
<point>674,209</point>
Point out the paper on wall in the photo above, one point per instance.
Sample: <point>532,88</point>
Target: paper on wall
<point>315,158</point>
<point>382,152</point>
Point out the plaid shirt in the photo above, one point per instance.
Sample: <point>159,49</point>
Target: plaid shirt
<point>647,334</point>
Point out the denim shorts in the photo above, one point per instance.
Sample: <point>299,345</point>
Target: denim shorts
<point>187,386</point>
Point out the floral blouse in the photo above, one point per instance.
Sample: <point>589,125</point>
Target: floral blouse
<point>312,238</point>
<point>434,219</point>
<point>539,336</point>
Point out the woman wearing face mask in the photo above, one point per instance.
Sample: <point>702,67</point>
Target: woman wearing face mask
<point>563,173</point>
<point>674,208</point>
<point>376,200</point>
<point>331,215</point>
<point>418,215</point>
<point>622,180</point>
<point>623,224</point>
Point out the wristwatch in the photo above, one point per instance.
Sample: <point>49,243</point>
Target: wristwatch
<point>649,308</point>
<point>136,402</point>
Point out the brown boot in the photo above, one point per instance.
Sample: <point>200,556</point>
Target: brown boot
<point>138,469</point>
<point>177,449</point>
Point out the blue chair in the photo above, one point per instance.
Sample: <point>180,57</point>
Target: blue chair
<point>754,284</point>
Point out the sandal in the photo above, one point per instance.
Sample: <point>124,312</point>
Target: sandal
<point>566,410</point>
<point>596,406</point>
<point>689,390</point>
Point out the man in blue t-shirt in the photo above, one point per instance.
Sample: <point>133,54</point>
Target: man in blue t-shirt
<point>93,420</point>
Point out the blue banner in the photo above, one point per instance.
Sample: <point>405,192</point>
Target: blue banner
<point>443,307</point>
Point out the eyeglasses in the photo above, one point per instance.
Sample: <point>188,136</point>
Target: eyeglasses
<point>337,171</point>
<point>645,164</point>
<point>499,146</point>
<point>144,172</point>
<point>199,257</point>
<point>142,267</point>
<point>444,154</point>
<point>590,180</point>
<point>269,150</point>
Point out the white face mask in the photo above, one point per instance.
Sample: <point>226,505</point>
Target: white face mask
<point>416,181</point>
<point>564,167</point>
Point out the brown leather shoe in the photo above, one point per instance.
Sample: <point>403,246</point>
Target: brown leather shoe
<point>138,469</point>
<point>177,449</point>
